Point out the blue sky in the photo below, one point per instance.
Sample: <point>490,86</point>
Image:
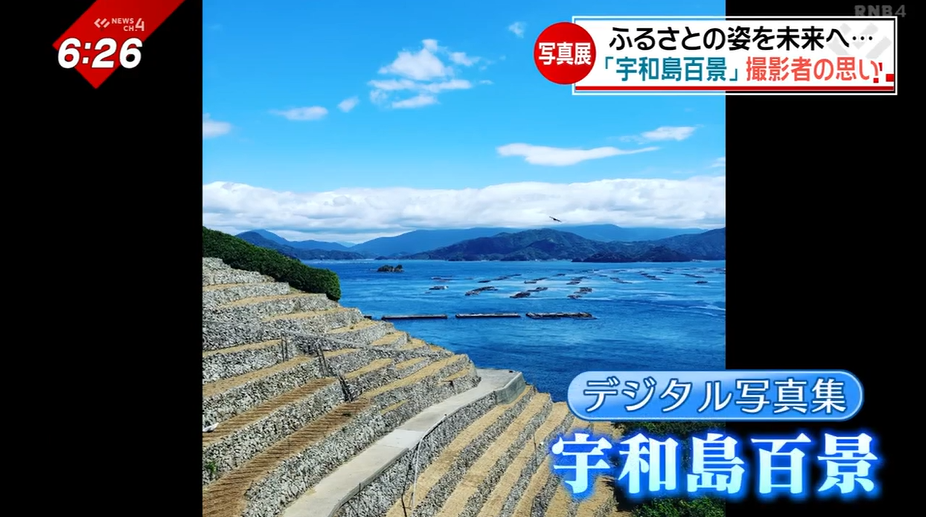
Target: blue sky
<point>316,114</point>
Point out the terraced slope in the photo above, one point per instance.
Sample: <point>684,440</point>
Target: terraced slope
<point>317,411</point>
<point>601,503</point>
<point>288,412</point>
<point>499,467</point>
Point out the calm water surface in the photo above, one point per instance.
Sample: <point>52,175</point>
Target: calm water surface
<point>669,324</point>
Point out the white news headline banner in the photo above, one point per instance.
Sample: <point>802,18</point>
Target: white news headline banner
<point>864,65</point>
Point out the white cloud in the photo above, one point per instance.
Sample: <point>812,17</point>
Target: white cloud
<point>517,28</point>
<point>420,66</point>
<point>361,214</point>
<point>415,102</point>
<point>214,128</point>
<point>719,162</point>
<point>392,85</point>
<point>378,96</point>
<point>423,74</point>
<point>485,81</point>
<point>669,133</point>
<point>662,134</point>
<point>461,58</point>
<point>558,156</point>
<point>310,113</point>
<point>348,104</point>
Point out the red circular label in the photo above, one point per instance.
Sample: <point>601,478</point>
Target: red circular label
<point>564,53</point>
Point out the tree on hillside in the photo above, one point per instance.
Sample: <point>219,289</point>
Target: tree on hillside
<point>668,506</point>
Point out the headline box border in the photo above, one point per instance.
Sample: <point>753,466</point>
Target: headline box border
<point>818,420</point>
<point>720,93</point>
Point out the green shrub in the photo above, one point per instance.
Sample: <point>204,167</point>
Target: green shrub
<point>240,254</point>
<point>676,429</point>
<point>675,507</point>
<point>681,431</point>
<point>672,506</point>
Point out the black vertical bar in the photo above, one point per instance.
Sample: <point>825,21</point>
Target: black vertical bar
<point>810,252</point>
<point>109,186</point>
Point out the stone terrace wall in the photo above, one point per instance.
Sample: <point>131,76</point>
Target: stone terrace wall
<point>379,496</point>
<point>270,496</point>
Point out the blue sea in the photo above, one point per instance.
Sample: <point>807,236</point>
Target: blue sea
<point>671,322</point>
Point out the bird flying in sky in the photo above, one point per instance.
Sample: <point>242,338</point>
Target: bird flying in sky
<point>555,219</point>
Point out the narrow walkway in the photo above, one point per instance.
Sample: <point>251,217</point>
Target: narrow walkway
<point>325,498</point>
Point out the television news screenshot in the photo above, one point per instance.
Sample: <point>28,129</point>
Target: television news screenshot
<point>468,259</point>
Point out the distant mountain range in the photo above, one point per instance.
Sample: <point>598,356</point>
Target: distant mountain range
<point>301,245</point>
<point>419,241</point>
<point>710,245</point>
<point>550,244</point>
<point>258,238</point>
<point>515,245</point>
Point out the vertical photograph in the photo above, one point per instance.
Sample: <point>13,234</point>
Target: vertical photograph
<point>413,242</point>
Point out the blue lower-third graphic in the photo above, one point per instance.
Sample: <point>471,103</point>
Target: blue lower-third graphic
<point>581,457</point>
<point>645,466</point>
<point>727,395</point>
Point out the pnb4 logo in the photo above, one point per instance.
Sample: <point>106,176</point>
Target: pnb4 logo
<point>127,24</point>
<point>880,10</point>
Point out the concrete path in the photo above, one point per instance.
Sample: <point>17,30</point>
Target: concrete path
<point>326,498</point>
